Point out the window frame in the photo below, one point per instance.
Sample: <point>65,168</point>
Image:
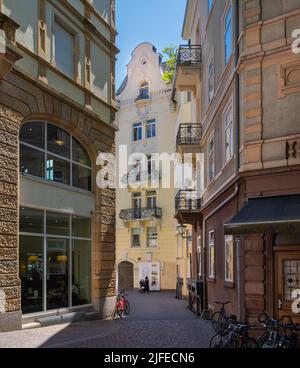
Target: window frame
<point>211,154</point>
<point>211,76</point>
<point>151,123</point>
<point>228,112</point>
<point>225,29</point>
<point>226,241</point>
<point>69,159</point>
<point>211,248</point>
<point>139,128</point>
<point>148,240</point>
<point>58,21</point>
<point>132,237</point>
<point>152,198</point>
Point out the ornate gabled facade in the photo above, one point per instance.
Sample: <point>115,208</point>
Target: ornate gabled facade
<point>146,228</point>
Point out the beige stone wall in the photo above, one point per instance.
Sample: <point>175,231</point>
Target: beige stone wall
<point>270,93</point>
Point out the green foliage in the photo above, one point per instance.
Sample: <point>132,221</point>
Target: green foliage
<point>170,52</point>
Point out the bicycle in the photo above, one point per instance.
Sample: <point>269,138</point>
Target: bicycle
<point>122,307</point>
<point>220,319</point>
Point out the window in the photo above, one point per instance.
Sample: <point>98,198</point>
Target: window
<point>50,252</point>
<point>151,128</point>
<point>211,254</point>
<point>151,199</point>
<point>152,237</point>
<point>210,78</point>
<point>199,253</point>
<point>137,200</point>
<point>229,260</point>
<point>64,50</point>
<point>48,152</point>
<point>136,237</point>
<point>228,35</point>
<point>228,134</point>
<point>144,91</point>
<point>210,4</point>
<point>211,160</point>
<point>137,132</point>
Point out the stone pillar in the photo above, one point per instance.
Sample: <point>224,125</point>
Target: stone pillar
<point>10,288</point>
<point>254,276</point>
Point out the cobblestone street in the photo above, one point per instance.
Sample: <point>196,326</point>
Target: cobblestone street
<point>157,320</point>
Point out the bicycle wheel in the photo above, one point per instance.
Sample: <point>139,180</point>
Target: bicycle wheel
<point>219,323</point>
<point>127,308</point>
<point>250,343</point>
<point>216,342</point>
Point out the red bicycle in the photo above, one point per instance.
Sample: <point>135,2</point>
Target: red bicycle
<point>122,307</point>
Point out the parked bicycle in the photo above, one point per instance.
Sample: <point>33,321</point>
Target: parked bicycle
<point>122,307</point>
<point>232,334</point>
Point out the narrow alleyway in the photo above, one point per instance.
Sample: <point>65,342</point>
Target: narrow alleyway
<point>157,320</point>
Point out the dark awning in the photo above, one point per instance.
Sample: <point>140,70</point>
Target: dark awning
<point>267,215</point>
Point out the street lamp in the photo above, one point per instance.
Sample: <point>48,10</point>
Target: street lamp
<point>181,230</point>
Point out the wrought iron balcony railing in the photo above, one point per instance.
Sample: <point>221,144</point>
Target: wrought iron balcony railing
<point>142,97</point>
<point>189,134</point>
<point>141,213</point>
<point>186,200</point>
<point>189,54</point>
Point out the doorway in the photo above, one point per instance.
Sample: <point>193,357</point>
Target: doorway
<point>125,273</point>
<point>287,282</point>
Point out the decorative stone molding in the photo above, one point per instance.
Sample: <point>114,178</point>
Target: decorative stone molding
<point>289,79</point>
<point>9,53</point>
<point>293,149</point>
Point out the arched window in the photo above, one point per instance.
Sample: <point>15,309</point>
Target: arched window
<point>144,90</point>
<point>51,153</point>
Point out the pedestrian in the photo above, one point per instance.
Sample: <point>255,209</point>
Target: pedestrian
<point>146,287</point>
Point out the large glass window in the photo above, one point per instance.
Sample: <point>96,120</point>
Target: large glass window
<point>211,159</point>
<point>51,153</point>
<point>228,35</point>
<point>228,133</point>
<point>210,78</point>
<point>152,237</point>
<point>64,50</point>
<point>64,242</point>
<point>135,237</point>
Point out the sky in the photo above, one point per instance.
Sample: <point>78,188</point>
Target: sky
<point>157,21</point>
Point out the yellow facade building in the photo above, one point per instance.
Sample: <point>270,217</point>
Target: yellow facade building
<point>147,241</point>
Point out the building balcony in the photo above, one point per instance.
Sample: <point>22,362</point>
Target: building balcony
<point>188,65</point>
<point>135,214</point>
<point>188,138</point>
<point>143,99</point>
<point>187,205</point>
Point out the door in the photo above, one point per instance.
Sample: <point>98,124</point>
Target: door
<point>125,280</point>
<point>287,272</point>
<point>152,270</point>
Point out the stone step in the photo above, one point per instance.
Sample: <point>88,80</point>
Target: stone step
<point>91,316</point>
<point>30,326</point>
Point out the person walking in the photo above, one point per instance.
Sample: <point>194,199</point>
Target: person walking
<point>146,287</point>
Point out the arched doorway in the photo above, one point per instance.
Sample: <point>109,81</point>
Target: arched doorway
<point>125,272</point>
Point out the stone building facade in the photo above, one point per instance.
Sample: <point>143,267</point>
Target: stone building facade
<point>246,223</point>
<point>40,90</point>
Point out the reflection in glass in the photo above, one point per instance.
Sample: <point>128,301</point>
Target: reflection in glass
<point>81,272</point>
<point>79,154</point>
<point>31,273</point>
<point>81,227</point>
<point>82,177</point>
<point>58,224</point>
<point>32,162</point>
<point>33,133</point>
<point>31,220</point>
<point>57,273</point>
<point>58,170</point>
<point>58,141</point>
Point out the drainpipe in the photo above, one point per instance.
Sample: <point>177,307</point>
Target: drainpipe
<point>237,147</point>
<point>232,196</point>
